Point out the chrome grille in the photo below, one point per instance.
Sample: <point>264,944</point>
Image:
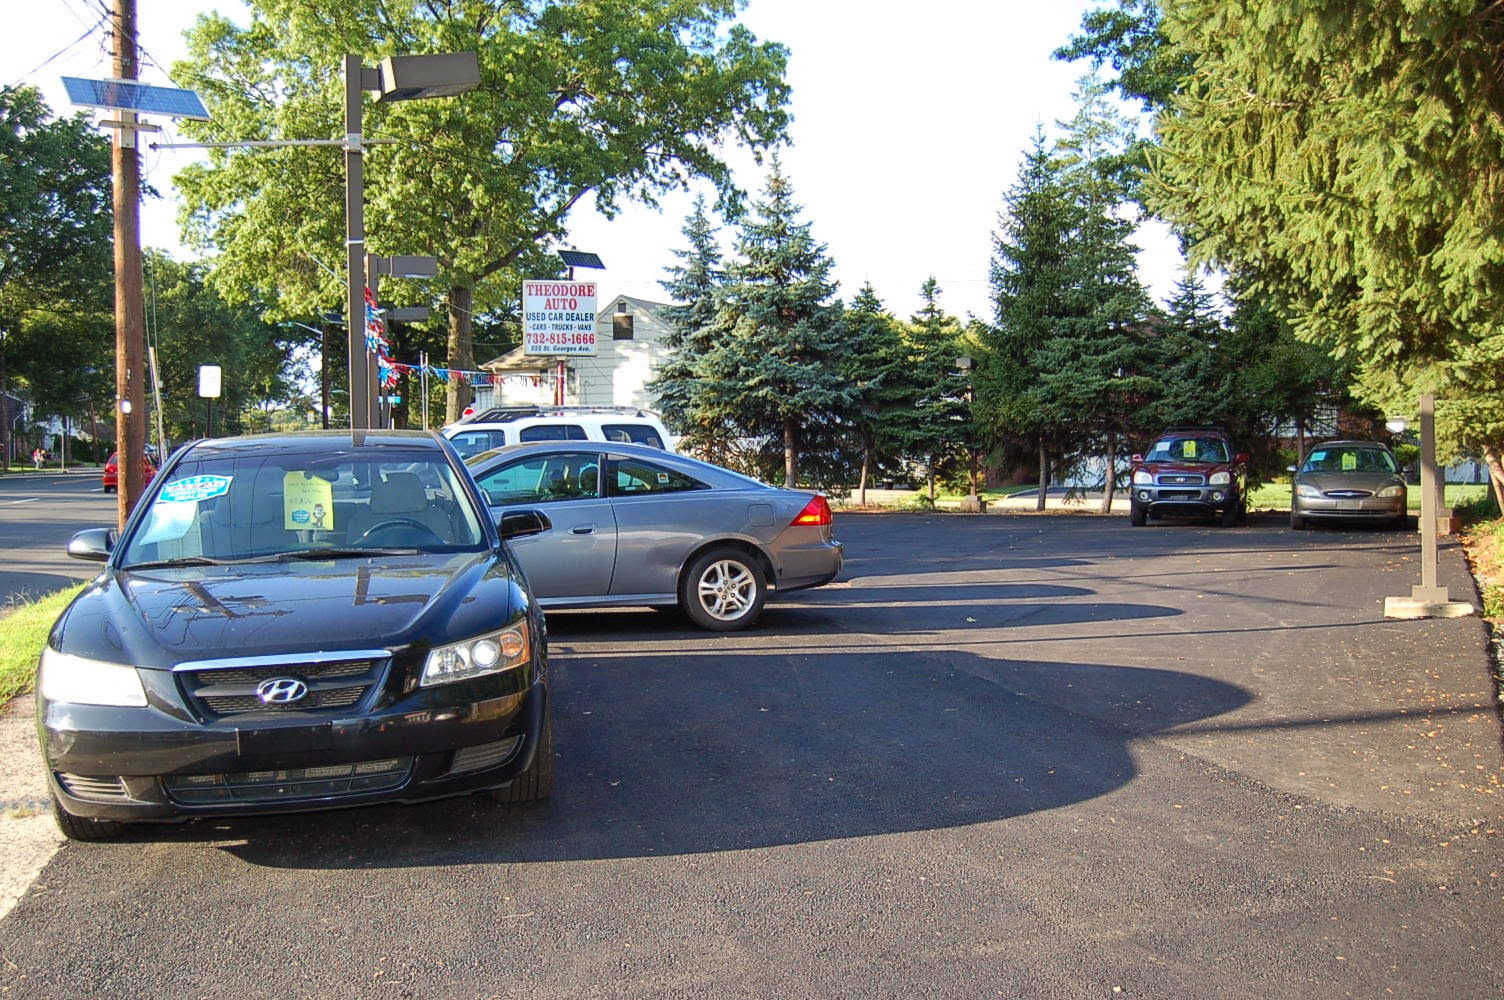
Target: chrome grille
<point>97,789</point>
<point>221,689</point>
<point>1180,479</point>
<point>1347,494</point>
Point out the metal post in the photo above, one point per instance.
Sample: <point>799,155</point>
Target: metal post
<point>355,249</point>
<point>1428,590</point>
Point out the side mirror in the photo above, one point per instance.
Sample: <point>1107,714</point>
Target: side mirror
<point>522,523</point>
<point>93,544</point>
<point>1241,458</point>
<point>1291,468</point>
<point>1137,459</point>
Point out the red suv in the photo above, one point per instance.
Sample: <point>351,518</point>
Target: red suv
<point>1193,471</point>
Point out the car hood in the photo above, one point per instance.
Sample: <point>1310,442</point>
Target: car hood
<point>157,618</point>
<point>1370,482</point>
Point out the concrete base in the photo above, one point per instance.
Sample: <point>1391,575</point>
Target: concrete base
<point>1424,607</point>
<point>972,505</point>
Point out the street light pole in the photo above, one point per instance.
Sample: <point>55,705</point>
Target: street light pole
<point>355,247</point>
<point>399,78</point>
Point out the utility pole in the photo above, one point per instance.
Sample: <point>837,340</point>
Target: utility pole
<point>130,306</point>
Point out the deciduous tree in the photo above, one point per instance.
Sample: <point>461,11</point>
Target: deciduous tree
<point>619,99</point>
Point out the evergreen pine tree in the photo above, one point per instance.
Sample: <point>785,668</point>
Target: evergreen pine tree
<point>692,287</point>
<point>776,332</point>
<point>876,365</point>
<point>941,415</point>
<point>1030,279</point>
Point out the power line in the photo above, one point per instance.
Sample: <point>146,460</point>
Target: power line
<point>58,54</point>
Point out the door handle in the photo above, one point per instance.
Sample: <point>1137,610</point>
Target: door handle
<point>582,529</point>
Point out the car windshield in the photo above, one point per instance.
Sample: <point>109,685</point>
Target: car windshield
<point>1188,449</point>
<point>1344,459</point>
<point>258,506</point>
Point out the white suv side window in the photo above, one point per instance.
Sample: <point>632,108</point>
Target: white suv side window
<point>553,431</point>
<point>633,434</point>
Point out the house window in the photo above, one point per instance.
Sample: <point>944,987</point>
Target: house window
<point>621,326</point>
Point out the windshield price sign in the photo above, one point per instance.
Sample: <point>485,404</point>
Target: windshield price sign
<point>558,317</point>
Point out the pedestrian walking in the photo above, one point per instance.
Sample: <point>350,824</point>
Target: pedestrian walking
<point>38,456</point>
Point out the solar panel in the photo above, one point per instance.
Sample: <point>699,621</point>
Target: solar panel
<point>128,95</point>
<point>579,258</point>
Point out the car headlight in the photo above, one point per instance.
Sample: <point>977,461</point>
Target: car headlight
<point>1390,492</point>
<point>1220,479</point>
<point>81,681</point>
<point>486,654</point>
<point>1143,477</point>
<point>1308,491</point>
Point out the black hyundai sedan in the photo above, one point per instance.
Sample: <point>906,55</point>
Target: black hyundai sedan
<point>296,622</point>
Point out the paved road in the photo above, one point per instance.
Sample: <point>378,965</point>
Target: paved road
<point>1014,756</point>
<point>38,514</point>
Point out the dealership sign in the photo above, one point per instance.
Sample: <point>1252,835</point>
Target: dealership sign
<point>558,317</point>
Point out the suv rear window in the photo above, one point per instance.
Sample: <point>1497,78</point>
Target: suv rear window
<point>633,434</point>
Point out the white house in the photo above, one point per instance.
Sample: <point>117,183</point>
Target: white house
<point>629,342</point>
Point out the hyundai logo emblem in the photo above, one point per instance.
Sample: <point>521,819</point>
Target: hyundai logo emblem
<point>281,691</point>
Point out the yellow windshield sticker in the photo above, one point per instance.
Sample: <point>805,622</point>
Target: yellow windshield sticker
<point>1188,449</point>
<point>308,503</point>
<point>1349,461</point>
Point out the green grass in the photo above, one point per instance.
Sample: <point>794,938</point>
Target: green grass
<point>23,633</point>
<point>1276,496</point>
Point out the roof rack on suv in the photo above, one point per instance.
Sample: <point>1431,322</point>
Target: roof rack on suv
<point>503,414</point>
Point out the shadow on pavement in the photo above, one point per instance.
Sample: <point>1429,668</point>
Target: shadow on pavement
<point>691,754</point>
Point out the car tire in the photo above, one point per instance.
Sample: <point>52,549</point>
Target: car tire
<point>1297,521</point>
<point>1232,514</point>
<point>1138,515</point>
<point>109,489</point>
<point>537,782</point>
<point>723,590</point>
<point>79,828</point>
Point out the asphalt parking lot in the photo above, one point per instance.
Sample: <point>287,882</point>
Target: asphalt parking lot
<point>1023,756</point>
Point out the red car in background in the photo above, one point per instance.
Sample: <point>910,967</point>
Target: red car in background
<point>111,478</point>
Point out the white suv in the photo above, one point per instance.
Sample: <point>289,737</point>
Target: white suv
<point>504,425</point>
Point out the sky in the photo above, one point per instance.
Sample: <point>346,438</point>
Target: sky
<point>907,130</point>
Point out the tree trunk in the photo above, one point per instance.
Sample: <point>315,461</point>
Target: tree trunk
<point>461,353</point>
<point>1044,474</point>
<point>790,453</point>
<point>1495,462</point>
<point>861,490</point>
<point>1112,479</point>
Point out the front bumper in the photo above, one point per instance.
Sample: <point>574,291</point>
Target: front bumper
<point>1184,501</point>
<point>1350,508</point>
<point>141,764</point>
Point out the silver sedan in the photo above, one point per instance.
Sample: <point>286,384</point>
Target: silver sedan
<point>1348,481</point>
<point>628,525</point>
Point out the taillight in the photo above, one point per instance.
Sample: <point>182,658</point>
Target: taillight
<point>816,512</point>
